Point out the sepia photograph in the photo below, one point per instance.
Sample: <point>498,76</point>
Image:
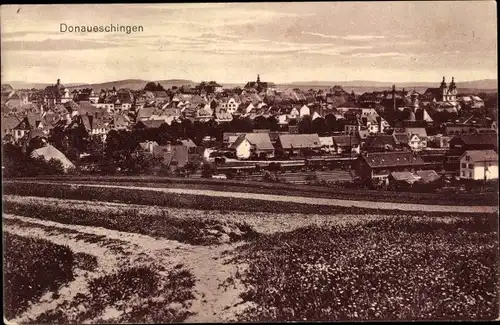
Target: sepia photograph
<point>249,162</point>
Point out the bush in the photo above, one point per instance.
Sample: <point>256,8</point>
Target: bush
<point>31,268</point>
<point>207,170</point>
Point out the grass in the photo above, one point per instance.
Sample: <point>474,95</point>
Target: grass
<point>114,245</point>
<point>140,294</point>
<point>290,189</point>
<point>174,200</point>
<point>392,269</point>
<point>186,230</point>
<point>32,267</point>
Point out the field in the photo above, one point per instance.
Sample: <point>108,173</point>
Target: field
<point>281,189</point>
<point>134,256</point>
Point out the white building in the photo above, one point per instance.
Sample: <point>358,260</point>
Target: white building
<point>479,165</point>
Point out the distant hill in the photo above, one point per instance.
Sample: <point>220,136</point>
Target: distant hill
<point>127,83</point>
<point>358,86</point>
<point>482,84</point>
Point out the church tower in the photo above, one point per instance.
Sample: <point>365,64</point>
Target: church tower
<point>258,79</point>
<point>452,91</point>
<point>444,90</point>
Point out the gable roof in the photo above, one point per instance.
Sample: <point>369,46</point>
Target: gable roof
<point>188,143</point>
<point>260,140</point>
<point>408,177</point>
<point>345,140</point>
<point>239,140</point>
<point>479,139</point>
<point>427,176</point>
<point>50,152</point>
<point>326,141</point>
<point>392,159</point>
<point>481,155</point>
<point>300,141</point>
<point>381,141</point>
<point>421,132</point>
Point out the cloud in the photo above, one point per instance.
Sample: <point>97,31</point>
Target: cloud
<point>55,45</point>
<point>347,37</point>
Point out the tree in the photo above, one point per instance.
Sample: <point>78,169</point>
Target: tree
<point>305,125</point>
<point>331,122</point>
<point>273,123</point>
<point>260,122</point>
<point>319,126</point>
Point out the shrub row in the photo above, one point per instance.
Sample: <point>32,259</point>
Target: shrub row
<point>394,269</point>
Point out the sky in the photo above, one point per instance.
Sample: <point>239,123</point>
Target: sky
<point>232,43</point>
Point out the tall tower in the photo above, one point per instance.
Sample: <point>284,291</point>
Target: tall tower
<point>258,79</point>
<point>452,91</point>
<point>414,101</point>
<point>444,90</point>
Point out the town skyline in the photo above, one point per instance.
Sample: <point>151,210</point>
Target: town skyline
<point>231,43</point>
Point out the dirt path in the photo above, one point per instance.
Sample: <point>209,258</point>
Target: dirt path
<point>213,301</point>
<point>305,200</point>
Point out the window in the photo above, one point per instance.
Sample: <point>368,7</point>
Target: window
<point>467,158</point>
<point>464,165</point>
<point>471,166</point>
<point>463,173</point>
<point>471,174</point>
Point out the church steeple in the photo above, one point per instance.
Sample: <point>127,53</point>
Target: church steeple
<point>258,79</point>
<point>452,83</point>
<point>443,83</point>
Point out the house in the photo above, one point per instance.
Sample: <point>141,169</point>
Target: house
<point>173,156</point>
<point>28,123</point>
<point>188,143</point>
<point>304,110</point>
<point>471,102</point>
<point>260,86</point>
<point>119,122</point>
<point>327,144</point>
<point>381,142</point>
<point>479,165</point>
<point>417,143</point>
<point>93,126</point>
<point>440,141</point>
<point>346,144</point>
<point>242,147</point>
<point>299,143</point>
<point>253,144</point>
<point>402,139</point>
<point>420,131</point>
<point>50,152</point>
<point>147,146</point>
<point>474,142</point>
<point>380,164</point>
<point>8,124</point>
<point>399,180</point>
<point>52,95</point>
<point>427,176</point>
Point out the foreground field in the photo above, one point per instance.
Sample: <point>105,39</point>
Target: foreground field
<point>145,263</point>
